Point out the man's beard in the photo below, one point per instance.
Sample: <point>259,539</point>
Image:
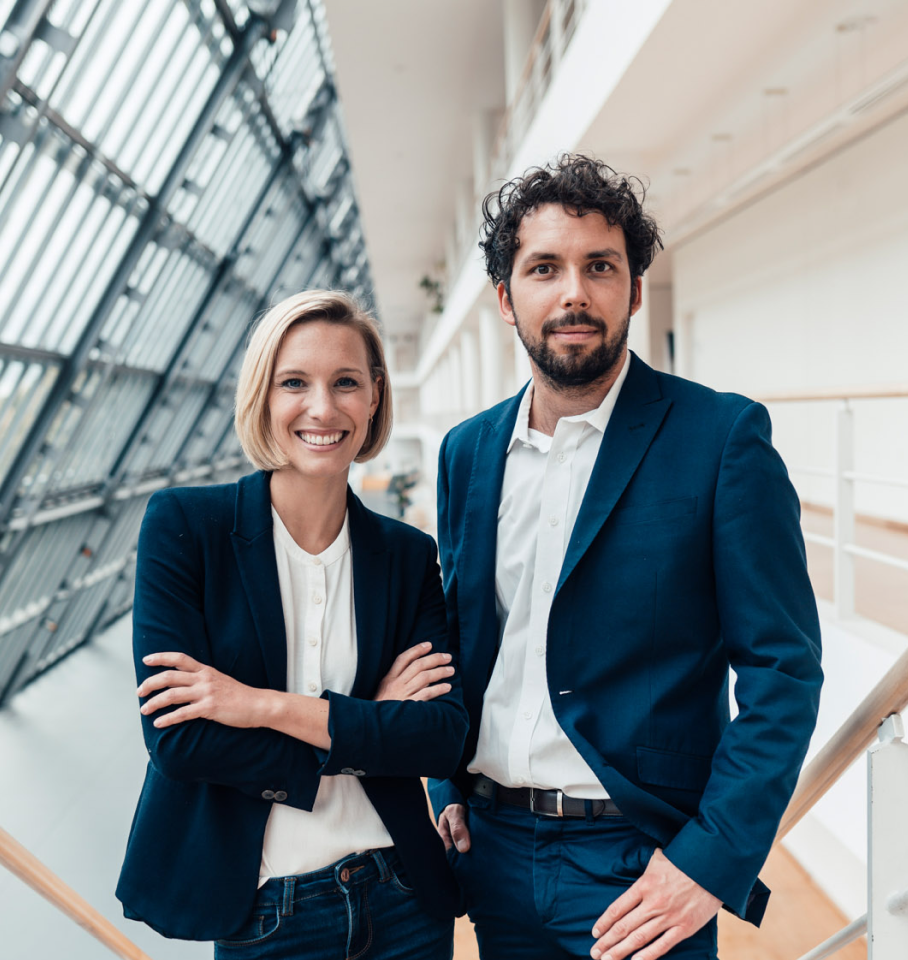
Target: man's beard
<point>578,367</point>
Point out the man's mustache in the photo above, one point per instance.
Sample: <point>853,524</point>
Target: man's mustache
<point>574,319</point>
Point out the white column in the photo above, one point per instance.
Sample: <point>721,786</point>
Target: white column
<point>464,217</point>
<point>522,369</point>
<point>483,141</point>
<point>469,364</point>
<point>455,380</point>
<point>640,336</point>
<point>490,355</point>
<point>521,18</point>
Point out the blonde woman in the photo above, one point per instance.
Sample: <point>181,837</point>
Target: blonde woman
<point>295,676</point>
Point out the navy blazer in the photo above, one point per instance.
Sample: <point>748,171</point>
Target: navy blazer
<point>686,559</point>
<point>207,585</point>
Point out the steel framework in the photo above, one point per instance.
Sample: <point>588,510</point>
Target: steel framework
<point>167,168</point>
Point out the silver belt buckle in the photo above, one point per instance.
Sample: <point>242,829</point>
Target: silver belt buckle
<point>559,804</point>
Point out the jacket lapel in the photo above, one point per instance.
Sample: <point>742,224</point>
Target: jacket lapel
<point>253,546</point>
<point>371,581</point>
<point>476,595</point>
<point>637,416</point>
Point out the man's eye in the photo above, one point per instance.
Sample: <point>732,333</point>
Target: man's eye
<point>600,266</point>
<point>542,269</point>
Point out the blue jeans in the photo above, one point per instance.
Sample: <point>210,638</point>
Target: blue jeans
<point>360,906</point>
<point>534,885</point>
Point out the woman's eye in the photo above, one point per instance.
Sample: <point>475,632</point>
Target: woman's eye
<point>292,383</point>
<point>347,382</point>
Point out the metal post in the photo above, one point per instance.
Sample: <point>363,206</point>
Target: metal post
<point>887,860</point>
<point>843,515</point>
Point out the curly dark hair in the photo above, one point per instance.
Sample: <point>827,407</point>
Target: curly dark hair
<point>579,183</point>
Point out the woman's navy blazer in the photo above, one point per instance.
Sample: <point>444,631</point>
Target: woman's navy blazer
<point>207,585</point>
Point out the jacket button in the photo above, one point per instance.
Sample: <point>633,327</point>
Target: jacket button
<point>359,773</point>
<point>349,771</point>
<point>267,794</point>
<point>280,795</point>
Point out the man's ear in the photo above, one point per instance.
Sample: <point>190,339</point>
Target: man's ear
<point>636,294</point>
<point>504,305</point>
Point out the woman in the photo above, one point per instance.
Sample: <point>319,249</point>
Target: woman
<point>291,649</point>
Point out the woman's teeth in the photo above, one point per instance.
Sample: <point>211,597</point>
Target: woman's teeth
<point>321,439</point>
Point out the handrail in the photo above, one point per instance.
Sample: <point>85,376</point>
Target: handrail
<point>855,735</point>
<point>28,868</point>
<point>846,935</point>
<point>878,391</point>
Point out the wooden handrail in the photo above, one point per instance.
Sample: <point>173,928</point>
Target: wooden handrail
<point>855,735</point>
<point>879,391</point>
<point>28,868</point>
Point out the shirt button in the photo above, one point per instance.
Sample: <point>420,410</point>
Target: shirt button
<point>316,598</point>
<point>316,562</point>
<point>561,458</point>
<point>519,780</point>
<point>528,446</point>
<point>313,642</point>
<point>547,587</point>
<point>540,651</point>
<point>553,521</point>
<point>313,687</point>
<point>527,714</point>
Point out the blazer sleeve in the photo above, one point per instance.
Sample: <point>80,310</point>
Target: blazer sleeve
<point>168,616</point>
<point>404,738</point>
<point>771,632</point>
<point>445,791</point>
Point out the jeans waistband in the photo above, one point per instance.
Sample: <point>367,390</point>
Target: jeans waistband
<point>348,872</point>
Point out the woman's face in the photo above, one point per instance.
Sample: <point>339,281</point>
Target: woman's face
<point>321,398</point>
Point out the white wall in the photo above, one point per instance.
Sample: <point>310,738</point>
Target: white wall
<point>805,289</point>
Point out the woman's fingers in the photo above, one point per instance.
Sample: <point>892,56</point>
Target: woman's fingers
<point>169,697</point>
<point>180,661</point>
<point>429,662</point>
<point>406,658</point>
<point>428,677</point>
<point>430,693</point>
<point>166,678</point>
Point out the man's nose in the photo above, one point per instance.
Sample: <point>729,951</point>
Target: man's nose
<point>575,295</point>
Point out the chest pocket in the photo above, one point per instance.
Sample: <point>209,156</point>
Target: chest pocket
<point>655,512</point>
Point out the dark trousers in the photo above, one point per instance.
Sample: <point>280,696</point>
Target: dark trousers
<point>535,885</point>
<point>360,907</point>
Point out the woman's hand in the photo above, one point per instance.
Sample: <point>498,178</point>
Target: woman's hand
<point>202,691</point>
<point>416,675</point>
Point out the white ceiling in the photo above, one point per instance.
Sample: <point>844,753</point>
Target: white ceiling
<point>411,75</point>
<point>691,115</point>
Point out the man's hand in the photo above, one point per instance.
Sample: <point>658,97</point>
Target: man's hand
<point>661,909</point>
<point>452,826</point>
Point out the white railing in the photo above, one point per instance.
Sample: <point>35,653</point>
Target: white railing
<point>842,542</point>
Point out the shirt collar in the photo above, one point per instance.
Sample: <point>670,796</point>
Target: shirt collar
<point>329,555</point>
<point>597,418</point>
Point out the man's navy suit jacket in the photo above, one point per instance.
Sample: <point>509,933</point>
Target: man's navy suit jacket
<point>686,559</point>
<point>207,585</point>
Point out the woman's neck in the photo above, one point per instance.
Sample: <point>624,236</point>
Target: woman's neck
<point>313,511</point>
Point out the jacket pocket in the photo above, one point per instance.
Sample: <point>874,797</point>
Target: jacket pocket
<point>653,512</point>
<point>666,768</point>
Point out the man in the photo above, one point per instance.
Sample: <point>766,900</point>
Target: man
<point>613,540</point>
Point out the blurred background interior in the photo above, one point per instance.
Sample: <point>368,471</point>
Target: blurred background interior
<point>168,168</point>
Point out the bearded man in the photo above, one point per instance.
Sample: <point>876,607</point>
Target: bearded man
<point>615,541</point>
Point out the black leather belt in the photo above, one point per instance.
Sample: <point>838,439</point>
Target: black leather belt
<point>548,803</point>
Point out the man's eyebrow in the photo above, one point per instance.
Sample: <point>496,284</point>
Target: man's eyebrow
<point>609,253</point>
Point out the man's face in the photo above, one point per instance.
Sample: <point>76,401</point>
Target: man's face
<point>571,295</point>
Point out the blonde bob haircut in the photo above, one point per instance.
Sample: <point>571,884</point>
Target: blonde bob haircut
<point>251,414</point>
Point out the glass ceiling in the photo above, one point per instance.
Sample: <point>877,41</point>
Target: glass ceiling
<point>167,169</point>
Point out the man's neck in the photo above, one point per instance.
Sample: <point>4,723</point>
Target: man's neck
<point>551,403</point>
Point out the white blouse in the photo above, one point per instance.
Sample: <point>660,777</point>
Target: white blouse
<point>317,597</point>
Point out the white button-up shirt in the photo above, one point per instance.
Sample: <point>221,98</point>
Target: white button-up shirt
<point>319,618</point>
<point>545,479</point>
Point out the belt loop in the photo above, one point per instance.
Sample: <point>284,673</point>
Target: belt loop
<point>384,871</point>
<point>588,810</point>
<point>287,905</point>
